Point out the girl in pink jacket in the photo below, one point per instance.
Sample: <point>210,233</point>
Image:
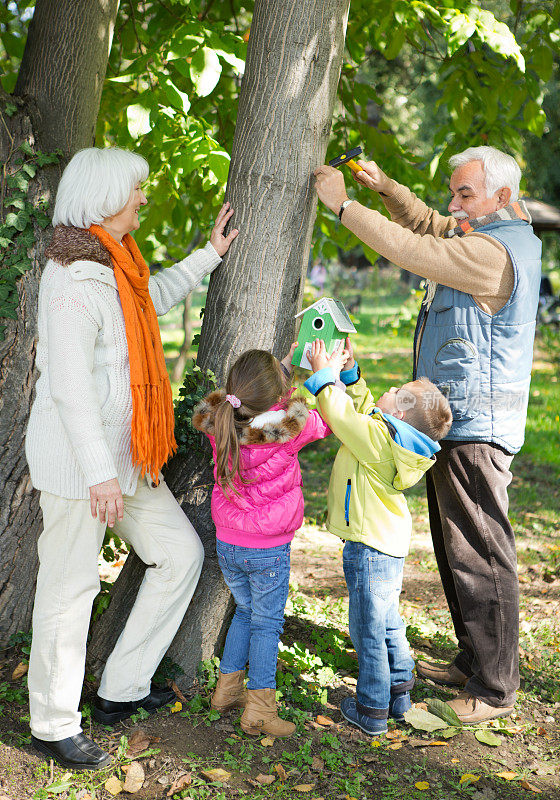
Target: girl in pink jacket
<point>256,431</point>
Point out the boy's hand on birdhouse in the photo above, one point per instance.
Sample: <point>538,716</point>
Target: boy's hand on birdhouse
<point>338,359</point>
<point>351,360</point>
<point>287,360</point>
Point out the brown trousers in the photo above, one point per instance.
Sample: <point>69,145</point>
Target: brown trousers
<point>474,546</point>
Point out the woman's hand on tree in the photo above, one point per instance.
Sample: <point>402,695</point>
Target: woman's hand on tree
<point>371,176</point>
<point>219,242</point>
<point>287,360</point>
<point>107,498</point>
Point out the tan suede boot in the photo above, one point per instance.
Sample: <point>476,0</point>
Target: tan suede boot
<point>260,715</point>
<point>230,691</point>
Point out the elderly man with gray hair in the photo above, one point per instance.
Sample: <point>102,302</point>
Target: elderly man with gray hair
<point>474,339</point>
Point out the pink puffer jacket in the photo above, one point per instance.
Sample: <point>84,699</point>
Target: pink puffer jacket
<point>269,511</point>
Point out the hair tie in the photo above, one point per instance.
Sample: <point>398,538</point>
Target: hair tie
<point>235,401</point>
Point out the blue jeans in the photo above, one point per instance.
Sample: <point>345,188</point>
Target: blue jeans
<point>259,581</point>
<point>377,630</point>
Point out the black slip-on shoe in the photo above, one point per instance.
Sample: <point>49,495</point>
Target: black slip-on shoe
<point>108,712</point>
<point>77,752</point>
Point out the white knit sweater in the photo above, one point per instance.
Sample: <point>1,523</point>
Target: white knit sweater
<point>79,427</point>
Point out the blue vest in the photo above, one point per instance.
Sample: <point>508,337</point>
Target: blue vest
<point>482,362</point>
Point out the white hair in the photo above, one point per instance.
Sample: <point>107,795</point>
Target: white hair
<point>500,169</point>
<point>97,184</point>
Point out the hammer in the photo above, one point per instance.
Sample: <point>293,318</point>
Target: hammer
<point>347,158</point>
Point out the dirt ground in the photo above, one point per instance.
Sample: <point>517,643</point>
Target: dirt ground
<point>324,758</point>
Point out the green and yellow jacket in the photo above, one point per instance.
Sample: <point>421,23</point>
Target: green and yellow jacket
<point>379,457</point>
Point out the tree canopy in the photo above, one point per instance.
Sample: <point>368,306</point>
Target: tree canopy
<point>419,80</point>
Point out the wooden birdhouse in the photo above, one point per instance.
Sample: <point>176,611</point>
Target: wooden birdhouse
<point>327,319</point>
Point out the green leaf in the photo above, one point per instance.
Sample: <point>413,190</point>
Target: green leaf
<point>395,45</point>
<point>487,737</point>
<point>542,61</point>
<point>205,69</point>
<point>444,712</point>
<point>218,162</point>
<point>423,720</point>
<point>447,733</point>
<point>175,97</point>
<point>138,120</point>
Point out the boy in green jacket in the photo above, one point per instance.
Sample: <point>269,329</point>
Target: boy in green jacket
<point>386,447</point>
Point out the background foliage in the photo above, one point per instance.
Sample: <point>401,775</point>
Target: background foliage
<point>419,80</point>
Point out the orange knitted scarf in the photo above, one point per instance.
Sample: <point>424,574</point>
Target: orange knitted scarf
<point>153,440</point>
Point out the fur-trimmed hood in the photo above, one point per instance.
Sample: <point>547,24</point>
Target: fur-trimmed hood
<point>277,432</point>
<point>70,244</point>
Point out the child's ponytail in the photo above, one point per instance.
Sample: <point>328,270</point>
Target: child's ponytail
<point>254,383</point>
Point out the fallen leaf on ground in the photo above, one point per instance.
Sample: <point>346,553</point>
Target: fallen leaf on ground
<point>178,692</point>
<point>529,786</point>
<point>138,741</point>
<point>422,785</point>
<point>217,774</point>
<point>181,782</point>
<point>350,681</point>
<point>265,780</point>
<point>423,720</point>
<point>134,778</point>
<point>114,785</point>
<point>395,746</point>
<point>541,732</point>
<point>423,706</point>
<point>437,743</point>
<point>280,771</point>
<point>317,764</point>
<point>268,741</point>
<point>304,788</point>
<point>469,778</point>
<point>394,735</point>
<point>176,707</point>
<point>455,760</point>
<point>507,776</point>
<point>20,671</point>
<point>487,737</point>
<point>321,720</point>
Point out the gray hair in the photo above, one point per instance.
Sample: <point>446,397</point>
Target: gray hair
<point>97,184</point>
<point>500,169</point>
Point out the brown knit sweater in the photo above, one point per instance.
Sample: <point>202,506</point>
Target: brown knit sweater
<point>475,263</point>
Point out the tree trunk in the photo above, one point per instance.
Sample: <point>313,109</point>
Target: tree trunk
<point>283,125</point>
<point>181,361</point>
<point>57,100</point>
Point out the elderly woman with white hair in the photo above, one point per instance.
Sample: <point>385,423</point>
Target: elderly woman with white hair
<point>101,428</point>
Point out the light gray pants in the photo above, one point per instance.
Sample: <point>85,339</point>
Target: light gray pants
<point>67,583</point>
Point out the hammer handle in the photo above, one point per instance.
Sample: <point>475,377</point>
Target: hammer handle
<point>353,166</point>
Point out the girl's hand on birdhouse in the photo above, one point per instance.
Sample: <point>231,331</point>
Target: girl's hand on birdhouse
<point>351,360</point>
<point>329,183</point>
<point>287,360</point>
<point>317,355</point>
<point>219,242</point>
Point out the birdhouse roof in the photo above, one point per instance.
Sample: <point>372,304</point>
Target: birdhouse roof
<point>326,305</point>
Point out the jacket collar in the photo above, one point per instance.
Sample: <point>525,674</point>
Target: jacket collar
<point>516,211</point>
<point>271,431</point>
<point>82,253</point>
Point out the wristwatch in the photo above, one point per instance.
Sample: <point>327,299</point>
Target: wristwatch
<point>342,207</point>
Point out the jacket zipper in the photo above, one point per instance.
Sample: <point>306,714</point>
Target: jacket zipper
<point>347,502</point>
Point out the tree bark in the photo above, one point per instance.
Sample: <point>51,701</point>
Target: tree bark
<point>283,125</point>
<point>181,361</point>
<point>56,109</point>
